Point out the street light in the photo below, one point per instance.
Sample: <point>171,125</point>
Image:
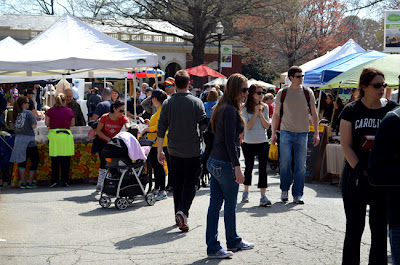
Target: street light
<point>220,30</point>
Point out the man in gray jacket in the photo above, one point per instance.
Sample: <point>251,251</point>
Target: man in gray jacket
<point>183,115</point>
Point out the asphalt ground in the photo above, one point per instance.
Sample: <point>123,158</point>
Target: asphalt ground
<point>68,226</point>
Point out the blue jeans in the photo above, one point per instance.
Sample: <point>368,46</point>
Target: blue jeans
<point>222,188</point>
<point>298,143</point>
<point>394,235</point>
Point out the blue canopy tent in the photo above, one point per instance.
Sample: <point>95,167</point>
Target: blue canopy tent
<point>321,75</point>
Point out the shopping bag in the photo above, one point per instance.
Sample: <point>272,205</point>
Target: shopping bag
<point>92,133</point>
<point>273,152</point>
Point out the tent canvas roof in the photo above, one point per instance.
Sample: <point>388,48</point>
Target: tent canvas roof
<point>9,45</point>
<point>70,45</point>
<point>323,74</point>
<point>339,52</point>
<point>387,64</point>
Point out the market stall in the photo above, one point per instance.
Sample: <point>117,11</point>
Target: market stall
<point>84,165</point>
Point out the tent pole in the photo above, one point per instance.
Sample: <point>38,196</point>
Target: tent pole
<point>134,98</point>
<point>105,78</point>
<point>398,92</point>
<point>126,89</point>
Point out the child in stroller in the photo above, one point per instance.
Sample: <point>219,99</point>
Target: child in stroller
<point>125,171</point>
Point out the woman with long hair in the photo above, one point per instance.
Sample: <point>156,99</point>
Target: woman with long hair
<point>25,146</point>
<point>61,141</point>
<point>255,142</point>
<point>360,120</point>
<point>226,175</point>
<point>157,98</point>
<point>110,124</point>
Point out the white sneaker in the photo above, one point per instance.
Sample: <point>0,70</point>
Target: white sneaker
<point>284,196</point>
<point>298,200</point>
<point>161,196</point>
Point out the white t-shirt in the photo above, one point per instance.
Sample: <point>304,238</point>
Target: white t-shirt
<point>394,95</point>
<point>76,92</point>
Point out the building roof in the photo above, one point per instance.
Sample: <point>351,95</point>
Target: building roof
<point>43,22</point>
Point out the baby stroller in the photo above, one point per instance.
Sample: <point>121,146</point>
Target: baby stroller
<point>125,178</point>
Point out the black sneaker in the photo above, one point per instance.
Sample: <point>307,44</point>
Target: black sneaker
<point>24,185</point>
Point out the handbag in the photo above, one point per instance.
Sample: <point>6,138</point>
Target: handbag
<point>367,142</point>
<point>273,152</point>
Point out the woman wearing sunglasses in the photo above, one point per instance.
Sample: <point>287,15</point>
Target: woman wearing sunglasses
<point>25,145</point>
<point>255,142</point>
<point>226,175</point>
<point>360,120</point>
<point>110,124</point>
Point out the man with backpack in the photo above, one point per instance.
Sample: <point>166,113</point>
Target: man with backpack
<point>293,106</point>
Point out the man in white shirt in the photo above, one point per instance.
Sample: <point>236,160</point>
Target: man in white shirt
<point>76,91</point>
<point>394,96</point>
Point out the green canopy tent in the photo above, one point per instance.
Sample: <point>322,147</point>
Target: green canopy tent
<point>389,65</point>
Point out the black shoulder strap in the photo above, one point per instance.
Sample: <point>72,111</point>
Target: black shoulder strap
<point>307,94</point>
<point>283,96</point>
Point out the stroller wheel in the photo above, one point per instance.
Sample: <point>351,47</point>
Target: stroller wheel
<point>150,199</point>
<point>273,166</point>
<point>105,201</point>
<point>121,203</point>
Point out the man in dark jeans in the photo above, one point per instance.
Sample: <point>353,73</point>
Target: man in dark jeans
<point>384,169</point>
<point>182,114</point>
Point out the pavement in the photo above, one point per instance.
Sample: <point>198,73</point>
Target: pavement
<point>68,226</point>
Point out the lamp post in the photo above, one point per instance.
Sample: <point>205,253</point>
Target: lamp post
<point>220,30</point>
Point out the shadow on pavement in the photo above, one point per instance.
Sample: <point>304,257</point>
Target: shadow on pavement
<point>74,187</point>
<point>262,211</point>
<point>100,211</point>
<point>153,238</point>
<point>209,261</point>
<point>83,199</point>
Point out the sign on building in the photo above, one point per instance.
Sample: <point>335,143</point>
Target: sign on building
<point>226,56</point>
<point>392,31</point>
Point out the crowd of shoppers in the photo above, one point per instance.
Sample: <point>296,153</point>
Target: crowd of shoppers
<point>238,120</point>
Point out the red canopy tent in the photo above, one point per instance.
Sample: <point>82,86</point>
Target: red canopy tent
<point>203,70</point>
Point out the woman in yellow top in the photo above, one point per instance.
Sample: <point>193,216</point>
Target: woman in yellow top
<point>157,98</point>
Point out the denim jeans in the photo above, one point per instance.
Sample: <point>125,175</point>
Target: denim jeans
<point>222,188</point>
<point>394,235</point>
<point>297,142</point>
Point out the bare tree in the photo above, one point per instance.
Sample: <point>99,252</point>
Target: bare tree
<point>196,17</point>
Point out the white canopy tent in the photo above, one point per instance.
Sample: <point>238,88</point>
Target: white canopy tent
<point>261,83</point>
<point>71,47</point>
<point>339,52</point>
<point>217,81</point>
<point>9,45</point>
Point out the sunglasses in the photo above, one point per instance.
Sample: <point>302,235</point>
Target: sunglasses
<point>379,85</point>
<point>170,85</point>
<point>260,92</point>
<point>245,89</point>
<point>299,76</point>
<point>122,110</point>
<point>26,102</point>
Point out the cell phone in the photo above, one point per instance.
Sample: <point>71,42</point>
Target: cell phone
<point>141,120</point>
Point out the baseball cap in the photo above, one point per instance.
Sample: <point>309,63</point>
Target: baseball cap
<point>149,89</point>
<point>169,81</point>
